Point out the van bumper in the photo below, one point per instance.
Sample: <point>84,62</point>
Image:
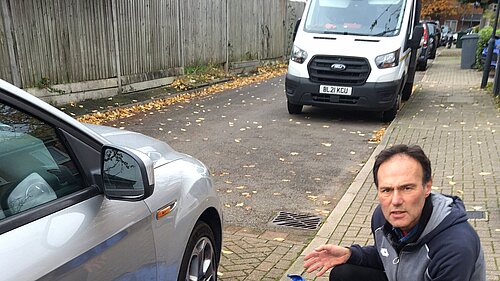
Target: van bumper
<point>368,97</point>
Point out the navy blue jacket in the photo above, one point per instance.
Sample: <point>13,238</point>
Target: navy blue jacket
<point>448,248</point>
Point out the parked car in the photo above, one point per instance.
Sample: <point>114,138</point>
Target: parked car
<point>435,35</point>
<point>494,57</point>
<point>87,202</point>
<point>428,45</point>
<point>435,32</point>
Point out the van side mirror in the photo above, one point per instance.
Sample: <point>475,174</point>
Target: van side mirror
<point>418,32</point>
<point>296,28</point>
<point>126,174</point>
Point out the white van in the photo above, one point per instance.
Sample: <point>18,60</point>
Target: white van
<point>354,54</point>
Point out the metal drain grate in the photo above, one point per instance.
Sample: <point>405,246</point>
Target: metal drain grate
<point>302,221</point>
<point>477,215</point>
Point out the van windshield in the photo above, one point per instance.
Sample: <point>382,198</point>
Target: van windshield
<point>356,17</point>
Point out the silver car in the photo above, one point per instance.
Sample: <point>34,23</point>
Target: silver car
<point>86,202</point>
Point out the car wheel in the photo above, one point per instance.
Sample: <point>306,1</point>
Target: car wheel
<point>294,108</point>
<point>433,54</point>
<point>422,66</point>
<point>200,258</point>
<point>389,115</point>
<point>407,90</point>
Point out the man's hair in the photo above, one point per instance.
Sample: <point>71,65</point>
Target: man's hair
<point>413,151</point>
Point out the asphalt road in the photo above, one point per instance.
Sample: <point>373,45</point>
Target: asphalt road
<point>262,159</point>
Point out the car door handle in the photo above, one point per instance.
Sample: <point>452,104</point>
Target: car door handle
<point>165,210</point>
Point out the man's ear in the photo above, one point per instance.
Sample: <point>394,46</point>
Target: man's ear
<point>428,188</point>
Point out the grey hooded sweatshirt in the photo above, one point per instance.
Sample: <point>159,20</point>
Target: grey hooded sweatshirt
<point>448,248</point>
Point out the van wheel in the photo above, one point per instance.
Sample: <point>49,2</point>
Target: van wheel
<point>389,115</point>
<point>407,90</point>
<point>294,108</point>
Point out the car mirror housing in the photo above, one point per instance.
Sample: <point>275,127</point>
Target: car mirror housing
<point>127,174</point>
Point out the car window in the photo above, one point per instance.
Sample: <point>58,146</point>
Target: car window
<point>431,28</point>
<point>35,167</point>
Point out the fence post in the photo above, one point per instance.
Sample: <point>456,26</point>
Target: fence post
<point>226,67</point>
<point>117,46</point>
<point>7,22</point>
<point>179,34</point>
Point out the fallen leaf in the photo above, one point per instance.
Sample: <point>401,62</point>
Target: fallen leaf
<point>240,187</point>
<point>279,239</point>
<point>326,144</point>
<point>239,205</point>
<point>294,153</point>
<point>326,202</point>
<point>452,182</point>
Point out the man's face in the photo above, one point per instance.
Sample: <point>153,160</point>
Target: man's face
<point>401,192</point>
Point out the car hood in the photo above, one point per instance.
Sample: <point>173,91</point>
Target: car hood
<point>160,152</point>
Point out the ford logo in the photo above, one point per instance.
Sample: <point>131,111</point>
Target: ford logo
<point>338,67</point>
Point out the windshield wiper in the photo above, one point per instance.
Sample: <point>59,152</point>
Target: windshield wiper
<point>386,31</point>
<point>343,33</point>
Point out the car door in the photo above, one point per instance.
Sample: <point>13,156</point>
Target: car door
<point>55,223</point>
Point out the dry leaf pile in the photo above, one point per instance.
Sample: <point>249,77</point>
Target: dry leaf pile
<point>264,73</point>
<point>377,136</point>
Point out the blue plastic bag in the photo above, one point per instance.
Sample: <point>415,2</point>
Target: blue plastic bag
<point>295,277</point>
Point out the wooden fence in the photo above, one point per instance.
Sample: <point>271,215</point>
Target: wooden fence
<point>67,41</point>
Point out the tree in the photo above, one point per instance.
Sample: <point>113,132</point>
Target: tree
<point>441,8</point>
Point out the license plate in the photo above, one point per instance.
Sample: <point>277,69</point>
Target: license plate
<point>335,90</point>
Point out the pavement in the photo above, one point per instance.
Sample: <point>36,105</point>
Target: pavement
<point>458,126</point>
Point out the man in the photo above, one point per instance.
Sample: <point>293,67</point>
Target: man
<point>419,234</point>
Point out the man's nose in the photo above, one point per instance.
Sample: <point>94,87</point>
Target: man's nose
<point>397,199</point>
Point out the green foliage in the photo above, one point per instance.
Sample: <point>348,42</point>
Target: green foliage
<point>45,83</point>
<point>484,37</point>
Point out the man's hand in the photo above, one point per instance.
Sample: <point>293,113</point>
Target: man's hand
<point>326,257</point>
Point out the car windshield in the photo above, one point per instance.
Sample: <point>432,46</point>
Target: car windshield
<point>356,17</point>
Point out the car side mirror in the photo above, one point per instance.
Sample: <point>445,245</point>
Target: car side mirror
<point>418,32</point>
<point>126,174</point>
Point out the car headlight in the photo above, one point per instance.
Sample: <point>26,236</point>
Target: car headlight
<point>388,60</point>
<point>298,55</point>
